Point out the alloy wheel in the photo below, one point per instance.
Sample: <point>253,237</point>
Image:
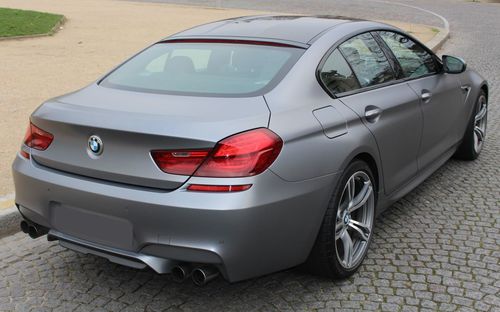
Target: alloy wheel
<point>480,123</point>
<point>354,220</point>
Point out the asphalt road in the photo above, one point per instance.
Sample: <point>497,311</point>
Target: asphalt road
<point>436,249</point>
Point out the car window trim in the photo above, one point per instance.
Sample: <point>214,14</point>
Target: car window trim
<point>431,53</point>
<point>393,61</point>
<point>385,84</point>
<point>348,64</point>
<point>345,58</point>
<point>394,74</point>
<point>337,46</point>
<point>377,86</point>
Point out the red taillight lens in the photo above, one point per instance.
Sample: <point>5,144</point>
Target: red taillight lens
<point>24,154</point>
<point>179,162</point>
<point>241,155</point>
<point>37,138</point>
<point>218,188</point>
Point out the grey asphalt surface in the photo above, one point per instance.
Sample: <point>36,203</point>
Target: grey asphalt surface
<point>436,249</point>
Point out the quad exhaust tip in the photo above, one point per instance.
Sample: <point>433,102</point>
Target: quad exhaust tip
<point>201,276</point>
<point>181,272</point>
<point>32,229</point>
<point>25,227</point>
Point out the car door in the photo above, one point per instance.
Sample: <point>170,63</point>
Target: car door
<point>440,95</point>
<point>366,84</point>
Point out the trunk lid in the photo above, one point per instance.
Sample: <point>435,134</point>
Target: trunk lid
<point>131,125</point>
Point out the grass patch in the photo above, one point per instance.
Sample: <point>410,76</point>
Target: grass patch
<point>23,23</point>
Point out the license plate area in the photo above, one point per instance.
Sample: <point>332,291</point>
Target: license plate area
<point>92,226</point>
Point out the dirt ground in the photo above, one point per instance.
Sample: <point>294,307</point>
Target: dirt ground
<point>97,35</point>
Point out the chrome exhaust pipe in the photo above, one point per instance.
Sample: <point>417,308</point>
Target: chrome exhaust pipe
<point>24,226</point>
<point>201,276</point>
<point>35,230</point>
<point>181,272</point>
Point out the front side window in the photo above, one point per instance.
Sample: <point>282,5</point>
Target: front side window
<point>336,75</point>
<point>415,61</point>
<point>367,60</point>
<point>204,68</point>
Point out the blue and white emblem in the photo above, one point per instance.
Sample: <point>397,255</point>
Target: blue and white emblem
<point>95,145</point>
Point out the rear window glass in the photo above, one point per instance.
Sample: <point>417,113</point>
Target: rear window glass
<point>336,74</point>
<point>367,60</point>
<point>204,69</point>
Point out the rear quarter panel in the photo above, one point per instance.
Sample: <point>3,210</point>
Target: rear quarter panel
<point>307,151</point>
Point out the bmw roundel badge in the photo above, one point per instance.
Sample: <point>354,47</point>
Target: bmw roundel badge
<point>95,145</point>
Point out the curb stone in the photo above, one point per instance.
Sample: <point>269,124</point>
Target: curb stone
<point>58,26</point>
<point>9,221</point>
<point>439,39</point>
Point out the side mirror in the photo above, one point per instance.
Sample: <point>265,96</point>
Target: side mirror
<point>453,65</point>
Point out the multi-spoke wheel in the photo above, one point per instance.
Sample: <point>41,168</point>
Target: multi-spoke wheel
<point>480,120</point>
<point>354,220</point>
<point>347,228</point>
<point>473,140</point>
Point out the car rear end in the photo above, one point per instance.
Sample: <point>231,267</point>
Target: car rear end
<point>167,163</point>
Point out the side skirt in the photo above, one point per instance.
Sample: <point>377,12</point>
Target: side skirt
<point>387,201</point>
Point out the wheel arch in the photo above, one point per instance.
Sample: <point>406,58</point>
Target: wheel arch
<point>370,161</point>
<point>485,88</point>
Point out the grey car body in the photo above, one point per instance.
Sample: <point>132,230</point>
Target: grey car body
<point>119,205</point>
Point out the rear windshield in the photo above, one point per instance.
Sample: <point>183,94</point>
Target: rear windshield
<point>218,69</point>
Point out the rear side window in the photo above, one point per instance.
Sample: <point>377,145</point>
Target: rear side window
<point>205,68</point>
<point>367,60</point>
<point>336,75</point>
<point>415,61</point>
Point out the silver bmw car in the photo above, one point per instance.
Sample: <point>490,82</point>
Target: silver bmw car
<point>247,146</point>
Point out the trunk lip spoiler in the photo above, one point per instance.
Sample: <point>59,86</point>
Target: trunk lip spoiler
<point>236,40</point>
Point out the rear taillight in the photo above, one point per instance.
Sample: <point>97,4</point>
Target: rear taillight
<point>37,138</point>
<point>241,155</point>
<point>179,162</point>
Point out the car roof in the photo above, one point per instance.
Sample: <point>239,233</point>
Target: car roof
<point>288,28</point>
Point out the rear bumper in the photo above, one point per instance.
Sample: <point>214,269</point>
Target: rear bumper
<point>270,227</point>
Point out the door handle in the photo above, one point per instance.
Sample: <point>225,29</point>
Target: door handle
<point>372,113</point>
<point>426,96</point>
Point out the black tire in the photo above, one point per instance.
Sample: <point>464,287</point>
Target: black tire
<point>323,259</point>
<point>467,149</point>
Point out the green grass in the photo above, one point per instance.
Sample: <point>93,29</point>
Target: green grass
<point>23,23</point>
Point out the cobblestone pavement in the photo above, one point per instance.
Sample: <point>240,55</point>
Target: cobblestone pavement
<point>436,249</point>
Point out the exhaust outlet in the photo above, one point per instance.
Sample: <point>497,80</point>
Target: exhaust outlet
<point>24,226</point>
<point>201,276</point>
<point>181,272</point>
<point>35,230</point>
